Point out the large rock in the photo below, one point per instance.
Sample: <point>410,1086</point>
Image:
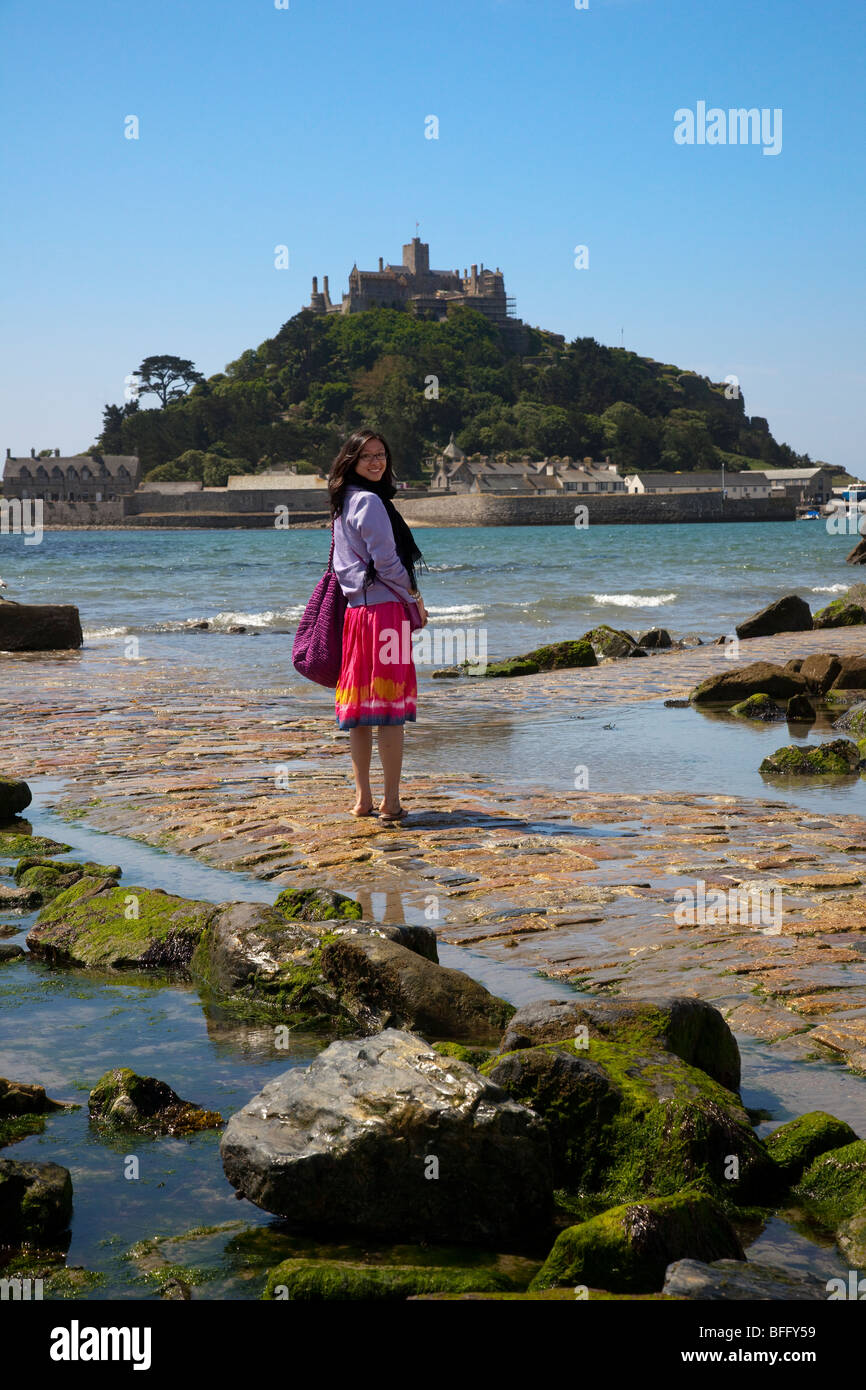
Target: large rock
<point>98,924</point>
<point>655,639</point>
<point>609,643</point>
<point>316,975</point>
<point>835,1183</point>
<point>739,1280</point>
<point>316,905</point>
<point>837,758</point>
<point>760,707</point>
<point>384,985</point>
<point>840,613</point>
<point>852,676</point>
<point>788,614</point>
<point>557,656</point>
<point>21,1098</point>
<point>386,1137</point>
<point>797,1144</point>
<point>15,796</point>
<point>857,556</point>
<point>39,627</point>
<point>629,1120</point>
<point>690,1028</point>
<point>35,1201</point>
<point>851,1239</point>
<point>738,682</point>
<point>125,1100</point>
<point>820,670</point>
<point>628,1248</point>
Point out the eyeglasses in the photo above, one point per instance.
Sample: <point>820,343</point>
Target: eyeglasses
<point>371,458</point>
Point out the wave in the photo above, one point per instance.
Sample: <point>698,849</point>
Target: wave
<point>829,588</point>
<point>460,611</point>
<point>634,600</point>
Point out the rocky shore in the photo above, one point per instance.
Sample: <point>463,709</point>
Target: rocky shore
<point>584,892</point>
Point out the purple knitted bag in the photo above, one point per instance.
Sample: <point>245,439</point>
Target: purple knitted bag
<point>317,651</point>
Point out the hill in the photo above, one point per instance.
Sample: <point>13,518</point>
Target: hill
<point>294,398</point>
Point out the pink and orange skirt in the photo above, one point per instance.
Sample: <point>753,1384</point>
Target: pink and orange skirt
<point>377,683</point>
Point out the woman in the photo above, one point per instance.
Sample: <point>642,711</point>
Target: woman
<point>374,561</point>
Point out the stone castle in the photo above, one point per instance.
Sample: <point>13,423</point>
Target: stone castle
<point>413,285</point>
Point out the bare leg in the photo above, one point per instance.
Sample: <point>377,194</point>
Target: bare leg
<point>361,747</point>
<point>390,739</point>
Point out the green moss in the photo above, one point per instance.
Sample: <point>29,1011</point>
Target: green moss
<point>316,905</point>
<point>795,1145</point>
<point>332,1281</point>
<point>757,707</point>
<point>609,641</point>
<point>835,1183</point>
<point>840,613</point>
<point>651,1125</point>
<point>628,1248</point>
<point>557,656</point>
<point>14,846</point>
<point>475,1056</point>
<point>91,924</point>
<point>838,758</point>
<point>58,1280</point>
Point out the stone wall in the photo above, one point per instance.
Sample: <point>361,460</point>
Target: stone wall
<point>475,510</point>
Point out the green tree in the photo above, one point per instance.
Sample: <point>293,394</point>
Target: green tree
<point>169,378</point>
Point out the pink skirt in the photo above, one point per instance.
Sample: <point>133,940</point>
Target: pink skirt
<point>377,683</point>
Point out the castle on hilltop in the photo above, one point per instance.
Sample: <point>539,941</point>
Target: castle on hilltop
<point>413,285</point>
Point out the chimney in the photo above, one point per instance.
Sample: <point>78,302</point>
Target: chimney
<point>9,453</point>
<point>33,453</point>
<point>57,453</point>
<point>325,286</point>
<point>381,263</point>
<point>315,284</point>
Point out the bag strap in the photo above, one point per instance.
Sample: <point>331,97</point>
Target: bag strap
<point>331,555</point>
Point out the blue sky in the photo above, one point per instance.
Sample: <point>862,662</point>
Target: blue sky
<point>304,126</point>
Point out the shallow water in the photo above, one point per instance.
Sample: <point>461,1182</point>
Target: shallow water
<point>64,1028</point>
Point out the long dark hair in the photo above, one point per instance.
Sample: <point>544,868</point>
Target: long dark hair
<point>344,472</point>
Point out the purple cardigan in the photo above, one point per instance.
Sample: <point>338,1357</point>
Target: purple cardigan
<point>363,533</point>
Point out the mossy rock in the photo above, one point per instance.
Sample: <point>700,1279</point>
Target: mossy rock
<point>758,706</point>
<point>125,1100</point>
<point>795,1145</point>
<point>49,878</point>
<point>316,905</point>
<point>840,613</point>
<point>631,1121</point>
<point>800,709</point>
<point>14,845</point>
<point>475,1056</point>
<point>98,924</point>
<point>628,1248</point>
<point>557,656</point>
<point>691,1029</point>
<point>15,797</point>
<point>837,758</point>
<point>853,721</point>
<point>737,683</point>
<point>326,1281</point>
<point>835,1183</point>
<point>609,643</point>
<point>35,1201</point>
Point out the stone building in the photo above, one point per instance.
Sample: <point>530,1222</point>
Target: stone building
<point>413,285</point>
<point>454,472</point>
<point>80,478</point>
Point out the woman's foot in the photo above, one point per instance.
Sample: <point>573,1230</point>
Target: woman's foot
<point>392,812</point>
<point>362,808</point>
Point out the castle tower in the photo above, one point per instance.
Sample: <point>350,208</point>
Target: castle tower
<point>416,256</point>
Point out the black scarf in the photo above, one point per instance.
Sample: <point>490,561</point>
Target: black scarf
<point>404,541</point>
